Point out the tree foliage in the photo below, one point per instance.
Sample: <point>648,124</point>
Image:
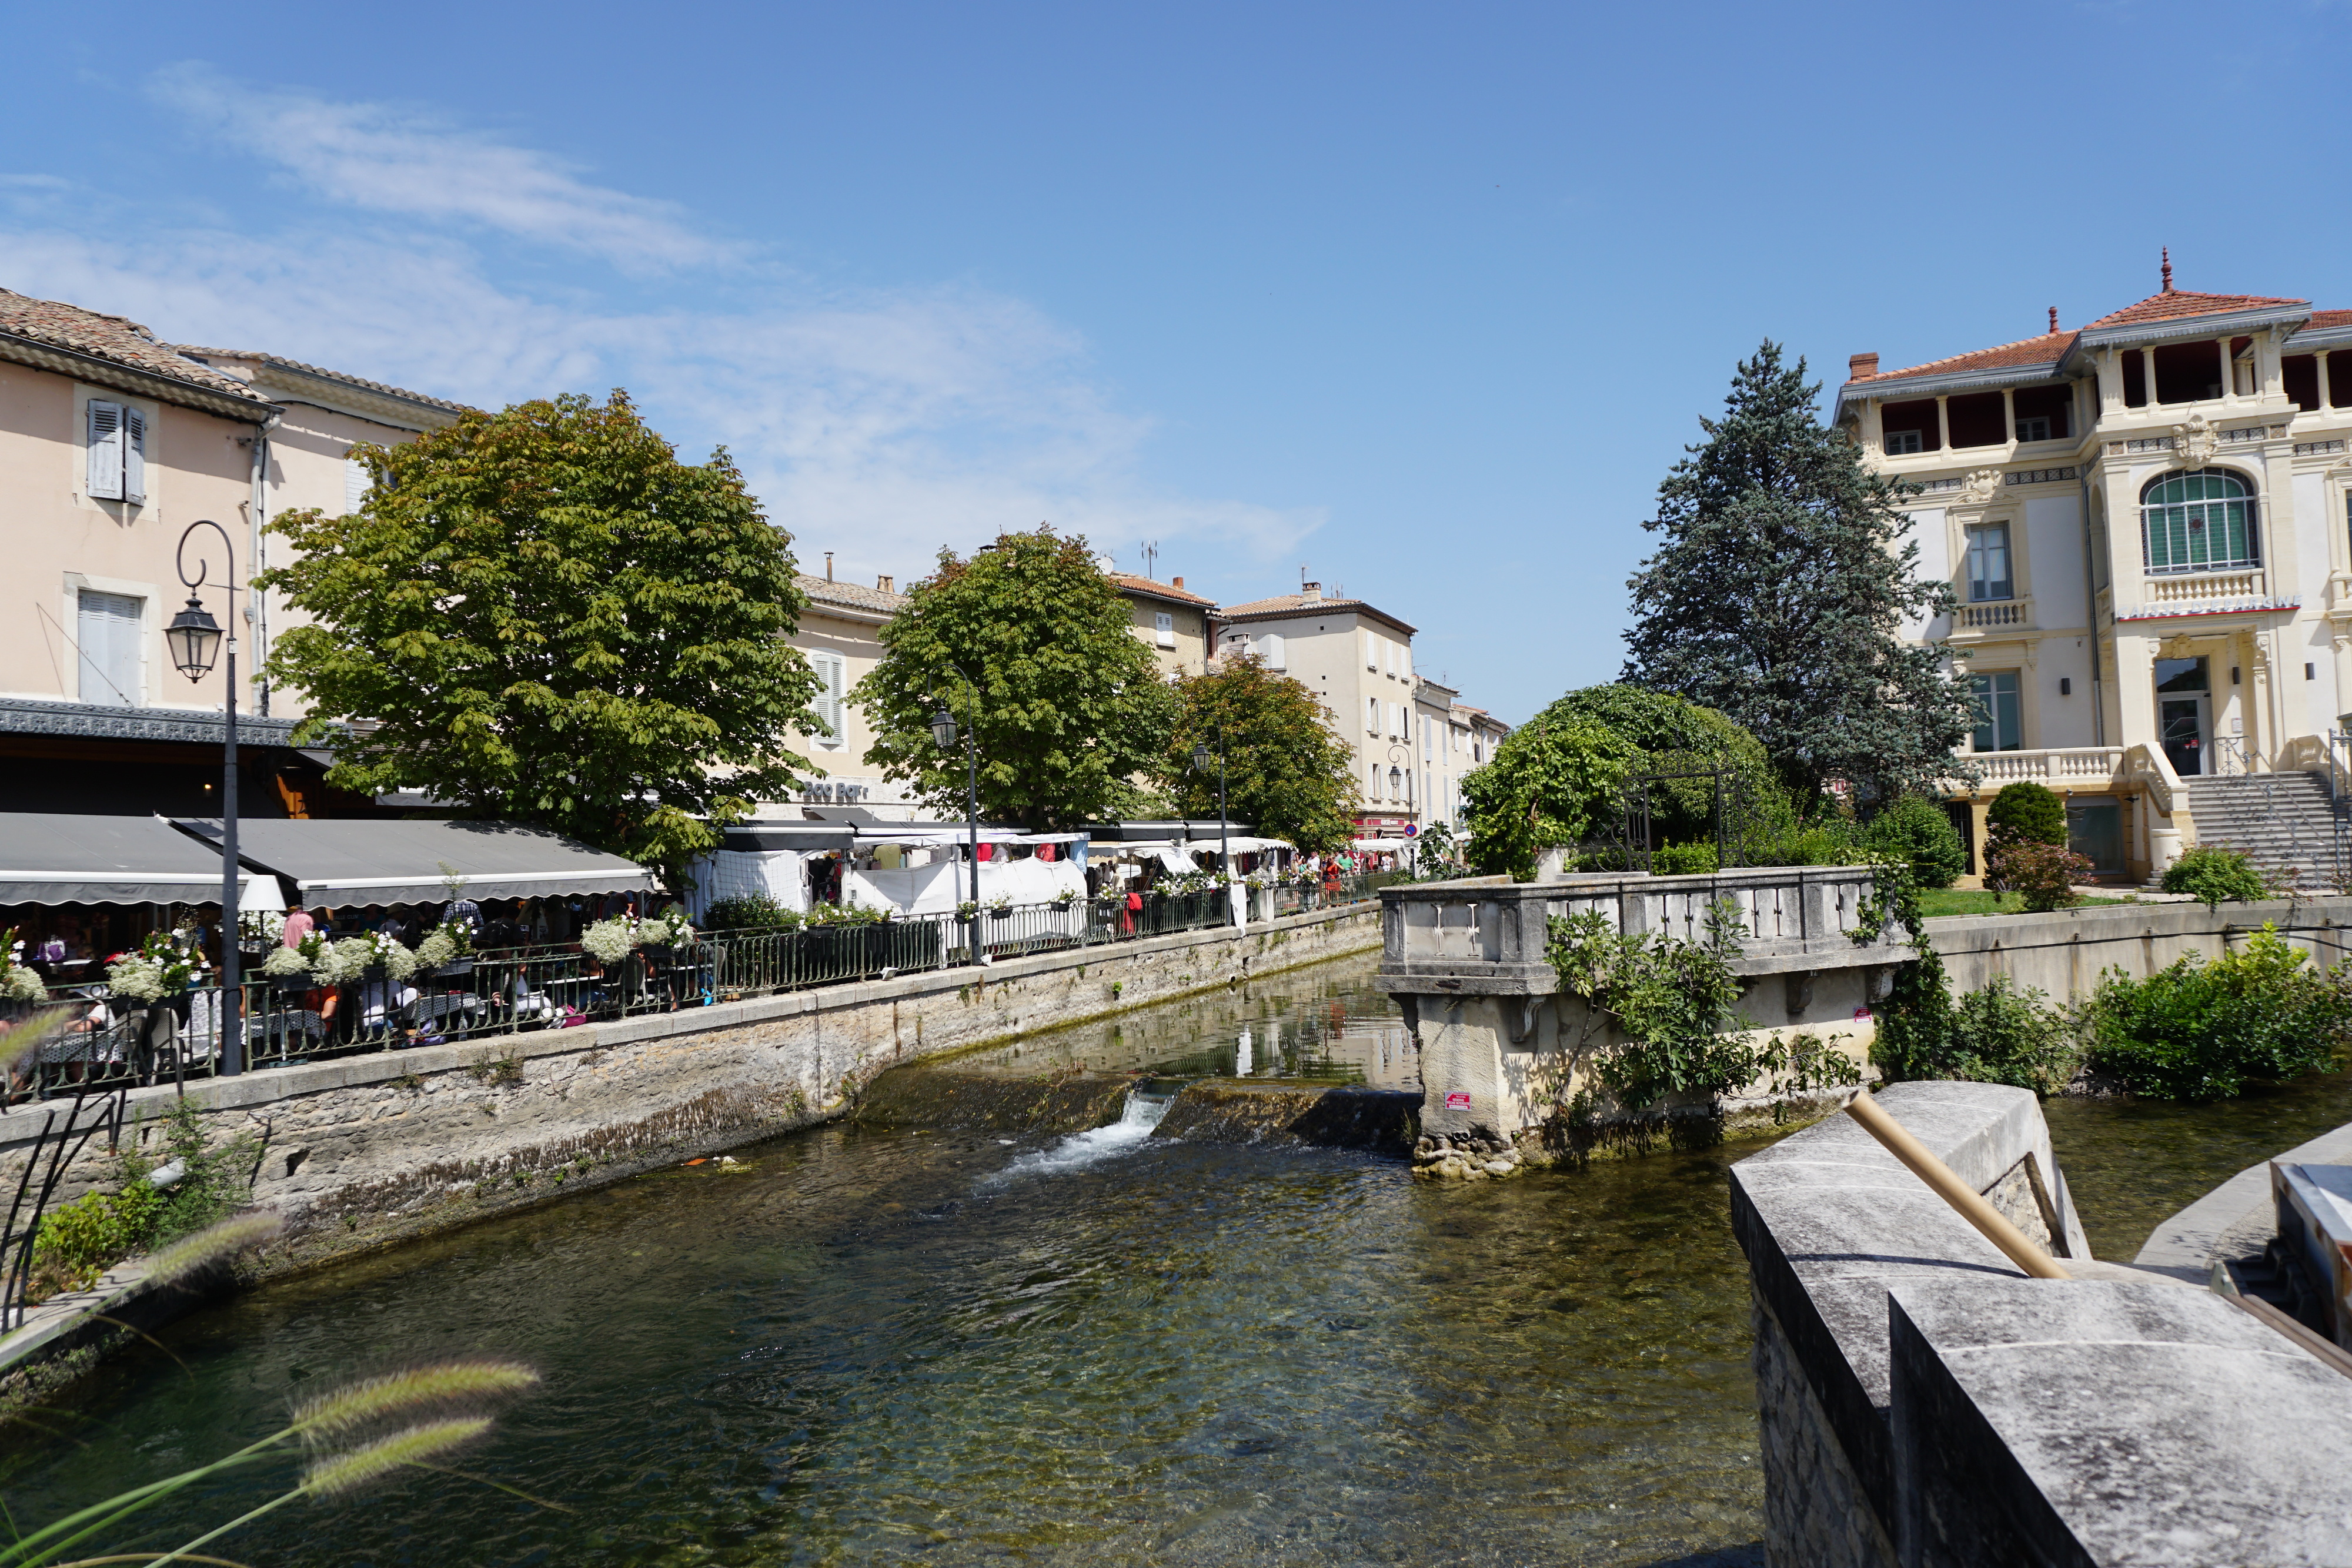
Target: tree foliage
<point>547,618</point>
<point>1916,831</point>
<point>1286,768</point>
<point>2026,812</point>
<point>1551,782</point>
<point>1670,734</point>
<point>1780,591</point>
<point>2202,1028</point>
<point>1067,703</point>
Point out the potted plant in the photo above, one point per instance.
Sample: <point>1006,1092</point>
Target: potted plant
<point>1000,907</point>
<point>447,951</point>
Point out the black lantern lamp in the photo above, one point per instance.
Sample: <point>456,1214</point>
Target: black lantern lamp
<point>1201,756</point>
<point>195,639</point>
<point>943,729</point>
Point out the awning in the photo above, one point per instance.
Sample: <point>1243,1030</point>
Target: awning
<point>806,837</point>
<point>344,864</point>
<point>50,857</point>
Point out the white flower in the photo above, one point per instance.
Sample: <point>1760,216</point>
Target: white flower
<point>437,949</point>
<point>287,961</point>
<point>610,940</point>
<point>18,984</point>
<point>136,979</point>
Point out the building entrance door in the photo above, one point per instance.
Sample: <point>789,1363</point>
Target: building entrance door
<point>2183,727</point>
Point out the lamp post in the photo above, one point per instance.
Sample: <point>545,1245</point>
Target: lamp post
<point>1200,765</point>
<point>195,639</point>
<point>943,731</point>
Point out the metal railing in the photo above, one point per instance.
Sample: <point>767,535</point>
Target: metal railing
<point>505,991</point>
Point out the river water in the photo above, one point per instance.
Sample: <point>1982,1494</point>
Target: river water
<point>870,1345</point>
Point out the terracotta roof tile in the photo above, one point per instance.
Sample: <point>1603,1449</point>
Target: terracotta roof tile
<point>2330,319</point>
<point>850,595</point>
<point>201,355</point>
<point>2046,349</point>
<point>114,338</point>
<point>1299,604</point>
<point>2178,302</point>
<point>1129,580</point>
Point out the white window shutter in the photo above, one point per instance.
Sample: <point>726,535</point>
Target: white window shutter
<point>134,455</point>
<point>106,450</point>
<point>357,483</point>
<point>1372,714</point>
<point>1372,652</point>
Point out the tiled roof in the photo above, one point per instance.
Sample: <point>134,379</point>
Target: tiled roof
<point>284,363</point>
<point>1130,582</point>
<point>2328,318</point>
<point>850,595</point>
<point>2046,349</point>
<point>1299,604</point>
<point>2173,304</point>
<point>115,339</point>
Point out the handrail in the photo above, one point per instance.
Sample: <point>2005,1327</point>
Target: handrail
<point>1989,1222</point>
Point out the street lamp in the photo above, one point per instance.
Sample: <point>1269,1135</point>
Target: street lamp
<point>943,731</point>
<point>1200,765</point>
<point>195,639</point>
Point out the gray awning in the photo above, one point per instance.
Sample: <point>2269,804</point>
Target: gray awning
<point>51,857</point>
<point>344,864</point>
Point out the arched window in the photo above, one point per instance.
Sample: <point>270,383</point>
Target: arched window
<point>2201,520</point>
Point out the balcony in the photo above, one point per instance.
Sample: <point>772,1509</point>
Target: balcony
<point>2077,766</point>
<point>1994,615</point>
<point>2204,594</point>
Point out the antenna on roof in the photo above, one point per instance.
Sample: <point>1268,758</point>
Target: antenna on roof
<point>2053,320</point>
<point>2168,269</point>
<point>1150,553</point>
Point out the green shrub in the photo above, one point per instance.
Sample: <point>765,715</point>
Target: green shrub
<point>2214,874</point>
<point>1832,841</point>
<point>1999,1035</point>
<point>752,912</point>
<point>2045,873</point>
<point>82,1240</point>
<point>2201,1029</point>
<point>1919,831</point>
<point>2027,812</point>
<point>1683,860</point>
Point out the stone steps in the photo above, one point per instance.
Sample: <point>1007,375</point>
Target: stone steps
<point>2285,823</point>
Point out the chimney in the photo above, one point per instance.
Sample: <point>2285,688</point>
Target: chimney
<point>887,584</point>
<point>1180,583</point>
<point>1861,367</point>
<point>1310,590</point>
<point>828,566</point>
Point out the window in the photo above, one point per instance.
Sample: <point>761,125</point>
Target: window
<point>1372,773</point>
<point>831,671</point>
<point>357,483</point>
<point>1372,652</point>
<point>1371,716</point>
<point>1425,745</point>
<point>106,635</point>
<point>1915,422</point>
<point>1404,661</point>
<point>1988,575</point>
<point>2035,429</point>
<point>1163,630</point>
<point>1998,726</point>
<point>2043,413</point>
<point>1902,443</point>
<point>118,452</point>
<point>1977,419</point>
<point>2202,520</point>
<point>2187,372</point>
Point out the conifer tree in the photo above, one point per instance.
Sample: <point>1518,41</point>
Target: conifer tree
<point>1779,595</point>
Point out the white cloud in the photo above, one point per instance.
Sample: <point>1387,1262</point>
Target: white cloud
<point>880,425</point>
<point>412,162</point>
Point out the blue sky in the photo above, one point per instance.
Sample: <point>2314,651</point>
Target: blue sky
<point>1424,299</point>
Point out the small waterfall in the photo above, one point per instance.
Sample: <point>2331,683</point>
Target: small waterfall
<point>1141,1112</point>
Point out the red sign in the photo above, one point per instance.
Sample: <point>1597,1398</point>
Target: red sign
<point>1457,1102</point>
<point>1862,1015</point>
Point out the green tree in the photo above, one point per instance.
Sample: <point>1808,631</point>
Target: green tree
<point>1672,735</point>
<point>1780,592</point>
<point>1286,768</point>
<point>2026,812</point>
<point>1551,782</point>
<point>1067,703</point>
<point>1915,830</point>
<point>547,618</point>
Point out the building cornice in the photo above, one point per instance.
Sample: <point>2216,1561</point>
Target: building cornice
<point>99,721</point>
<point>289,385</point>
<point>100,372</point>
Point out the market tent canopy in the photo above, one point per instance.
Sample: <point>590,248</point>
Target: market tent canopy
<point>50,857</point>
<point>344,864</point>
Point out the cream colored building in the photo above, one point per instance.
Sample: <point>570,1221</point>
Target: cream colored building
<point>2143,520</point>
<point>112,441</point>
<point>841,636</point>
<point>1172,622</point>
<point>1358,660</point>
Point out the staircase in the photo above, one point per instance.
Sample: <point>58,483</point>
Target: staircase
<point>2288,823</point>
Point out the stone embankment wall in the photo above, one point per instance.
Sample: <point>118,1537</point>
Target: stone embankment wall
<point>2064,952</point>
<point>1924,1403</point>
<point>362,1149</point>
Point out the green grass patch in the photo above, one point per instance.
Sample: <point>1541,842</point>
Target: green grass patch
<point>1935,901</point>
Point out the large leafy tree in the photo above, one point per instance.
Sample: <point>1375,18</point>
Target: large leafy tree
<point>1672,735</point>
<point>546,617</point>
<point>1779,595</point>
<point>1553,781</point>
<point>1287,770</point>
<point>1067,702</point>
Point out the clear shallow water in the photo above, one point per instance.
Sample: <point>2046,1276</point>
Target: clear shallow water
<point>884,1347</point>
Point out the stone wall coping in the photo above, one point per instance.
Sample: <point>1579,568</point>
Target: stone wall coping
<point>1588,883</point>
<point>1830,1221</point>
<point>2049,1421</point>
<point>2127,922</point>
<point>21,1125</point>
<point>2186,1245</point>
